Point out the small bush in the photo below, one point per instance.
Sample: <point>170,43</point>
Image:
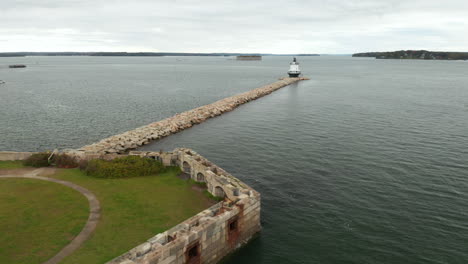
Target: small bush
<point>64,161</point>
<point>125,167</point>
<point>83,164</point>
<point>38,160</point>
<point>216,198</point>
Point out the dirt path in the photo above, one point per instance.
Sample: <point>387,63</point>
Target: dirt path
<point>94,210</point>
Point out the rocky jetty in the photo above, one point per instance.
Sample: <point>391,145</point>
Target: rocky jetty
<point>145,134</point>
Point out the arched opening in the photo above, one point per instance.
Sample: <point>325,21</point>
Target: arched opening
<point>193,254</point>
<point>219,192</point>
<point>186,167</point>
<point>200,177</point>
<point>233,230</point>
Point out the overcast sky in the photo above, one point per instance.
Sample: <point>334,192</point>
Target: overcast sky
<point>295,26</point>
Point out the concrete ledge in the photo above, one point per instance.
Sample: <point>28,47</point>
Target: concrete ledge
<point>10,155</point>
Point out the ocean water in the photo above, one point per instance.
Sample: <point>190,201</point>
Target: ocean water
<point>68,102</point>
<point>365,163</point>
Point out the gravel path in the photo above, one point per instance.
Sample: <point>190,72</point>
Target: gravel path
<point>94,212</point>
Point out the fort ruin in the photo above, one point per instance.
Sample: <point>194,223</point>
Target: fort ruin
<point>211,234</point>
<point>206,237</point>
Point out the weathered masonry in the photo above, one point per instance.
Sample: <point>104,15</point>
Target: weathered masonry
<point>143,135</point>
<point>211,234</point>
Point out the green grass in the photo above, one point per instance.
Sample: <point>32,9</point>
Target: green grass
<point>201,184</point>
<point>133,210</point>
<point>11,164</point>
<point>37,218</point>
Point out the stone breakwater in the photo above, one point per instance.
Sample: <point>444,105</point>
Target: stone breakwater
<point>143,135</point>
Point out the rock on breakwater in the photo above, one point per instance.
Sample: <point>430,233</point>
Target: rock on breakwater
<point>143,135</point>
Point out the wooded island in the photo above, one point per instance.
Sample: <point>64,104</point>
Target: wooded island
<point>415,55</point>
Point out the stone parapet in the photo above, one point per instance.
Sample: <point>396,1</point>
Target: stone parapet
<point>11,155</point>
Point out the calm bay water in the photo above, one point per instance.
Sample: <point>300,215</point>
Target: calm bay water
<point>365,163</point>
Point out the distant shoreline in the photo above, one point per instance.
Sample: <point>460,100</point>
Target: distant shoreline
<point>415,55</point>
<point>139,54</point>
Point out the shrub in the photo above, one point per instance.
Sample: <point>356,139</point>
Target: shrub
<point>130,166</point>
<point>83,164</point>
<point>38,160</point>
<point>209,195</point>
<point>64,161</point>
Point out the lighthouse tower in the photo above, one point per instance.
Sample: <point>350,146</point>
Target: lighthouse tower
<point>294,70</point>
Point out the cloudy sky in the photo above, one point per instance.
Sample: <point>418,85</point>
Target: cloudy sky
<point>295,26</point>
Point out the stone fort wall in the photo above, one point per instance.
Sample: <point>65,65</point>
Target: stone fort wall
<point>11,155</point>
<point>211,234</point>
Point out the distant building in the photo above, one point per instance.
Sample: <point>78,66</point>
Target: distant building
<point>249,57</point>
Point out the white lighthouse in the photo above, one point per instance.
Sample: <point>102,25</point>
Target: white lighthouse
<point>294,70</point>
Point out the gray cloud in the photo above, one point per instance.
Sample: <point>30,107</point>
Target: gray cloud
<point>296,26</point>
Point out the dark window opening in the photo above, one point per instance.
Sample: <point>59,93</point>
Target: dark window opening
<point>233,230</point>
<point>233,225</point>
<point>193,252</point>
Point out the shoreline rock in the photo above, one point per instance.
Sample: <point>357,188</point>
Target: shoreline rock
<point>140,136</point>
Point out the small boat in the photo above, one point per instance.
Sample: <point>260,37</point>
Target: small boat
<point>2,82</point>
<point>294,70</point>
<point>17,66</point>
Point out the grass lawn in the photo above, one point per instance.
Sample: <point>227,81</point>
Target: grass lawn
<point>133,210</point>
<point>11,164</point>
<point>37,219</point>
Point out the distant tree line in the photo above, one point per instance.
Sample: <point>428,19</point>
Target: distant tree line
<point>143,54</point>
<point>416,54</point>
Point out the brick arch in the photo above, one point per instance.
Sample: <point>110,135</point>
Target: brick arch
<point>201,177</point>
<point>219,192</point>
<point>186,167</point>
